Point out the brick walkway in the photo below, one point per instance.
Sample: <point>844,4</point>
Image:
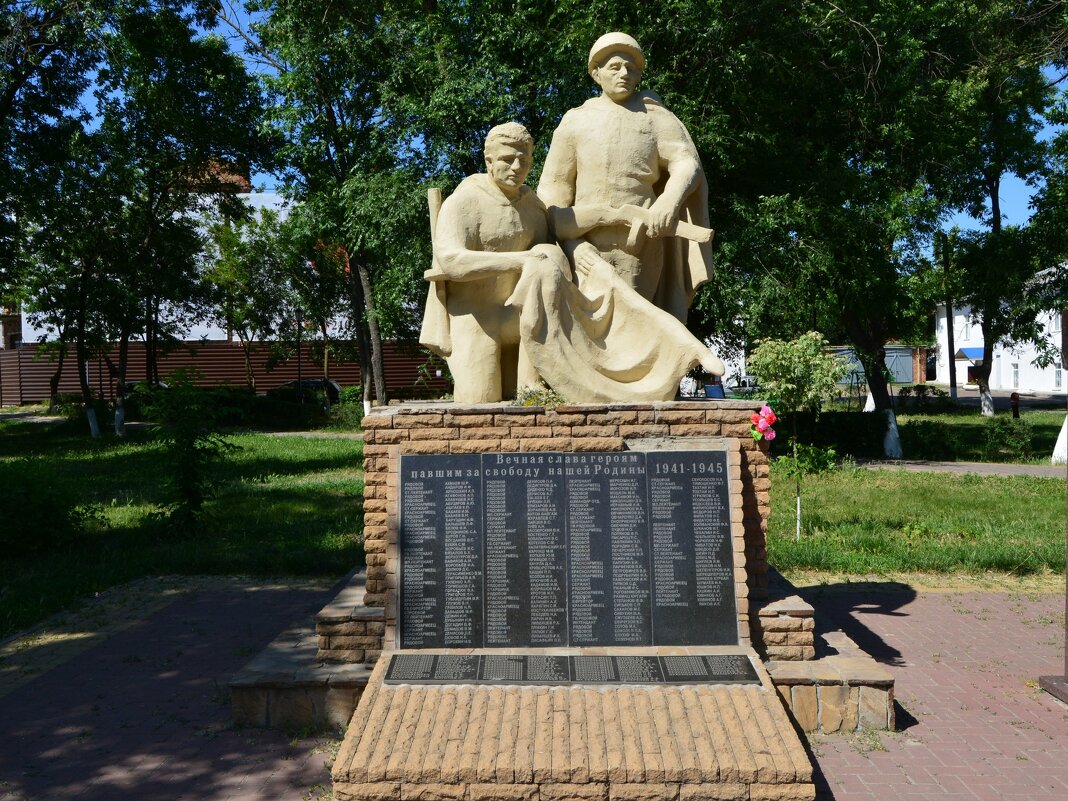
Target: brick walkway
<point>975,725</point>
<point>145,715</point>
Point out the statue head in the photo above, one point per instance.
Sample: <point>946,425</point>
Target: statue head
<point>509,150</point>
<point>616,63</point>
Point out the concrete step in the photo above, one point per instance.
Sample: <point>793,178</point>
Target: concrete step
<point>287,687</point>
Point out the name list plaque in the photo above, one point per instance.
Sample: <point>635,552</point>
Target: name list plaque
<point>505,550</point>
<point>407,668</point>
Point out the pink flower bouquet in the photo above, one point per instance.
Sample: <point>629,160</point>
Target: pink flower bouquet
<point>762,422</point>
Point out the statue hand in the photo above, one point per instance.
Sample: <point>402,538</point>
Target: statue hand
<point>586,258</point>
<point>660,219</point>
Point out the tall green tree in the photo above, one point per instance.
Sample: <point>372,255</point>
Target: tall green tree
<point>1002,102</point>
<point>47,48</point>
<point>830,134</point>
<point>175,112</point>
<point>249,293</point>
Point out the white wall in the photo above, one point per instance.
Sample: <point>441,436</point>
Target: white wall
<point>1026,377</point>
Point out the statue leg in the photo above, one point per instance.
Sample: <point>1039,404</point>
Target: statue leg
<point>652,267</point>
<point>526,375</point>
<point>475,362</point>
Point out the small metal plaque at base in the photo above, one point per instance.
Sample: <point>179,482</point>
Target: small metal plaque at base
<point>542,669</point>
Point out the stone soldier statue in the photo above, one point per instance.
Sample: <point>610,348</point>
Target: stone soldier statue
<point>624,184</point>
<point>484,234</point>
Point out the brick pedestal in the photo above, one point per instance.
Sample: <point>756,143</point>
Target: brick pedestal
<point>499,428</point>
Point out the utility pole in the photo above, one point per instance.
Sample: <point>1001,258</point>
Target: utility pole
<point>1057,686</point>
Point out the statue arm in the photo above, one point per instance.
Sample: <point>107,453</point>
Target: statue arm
<point>557,184</point>
<point>456,247</point>
<point>678,158</point>
<point>556,189</point>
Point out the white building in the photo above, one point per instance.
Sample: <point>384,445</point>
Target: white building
<point>1013,369</point>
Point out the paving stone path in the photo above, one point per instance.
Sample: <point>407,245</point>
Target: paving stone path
<point>144,714</point>
<point>975,725</point>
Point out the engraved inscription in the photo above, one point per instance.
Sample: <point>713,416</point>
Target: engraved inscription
<point>551,549</point>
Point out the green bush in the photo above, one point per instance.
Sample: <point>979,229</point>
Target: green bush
<point>351,395</point>
<point>282,415</point>
<point>188,430</point>
<point>1008,439</point>
<point>854,434</point>
<point>924,397</point>
<point>39,514</point>
<point>811,459</point>
<point>69,405</point>
<point>934,440</point>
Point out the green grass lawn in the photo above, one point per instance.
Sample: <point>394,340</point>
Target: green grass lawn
<point>960,435</point>
<point>857,521</point>
<point>283,506</point>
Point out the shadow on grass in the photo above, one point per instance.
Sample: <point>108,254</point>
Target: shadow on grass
<point>271,532</point>
<point>135,470</point>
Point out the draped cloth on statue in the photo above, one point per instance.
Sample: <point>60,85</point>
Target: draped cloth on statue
<point>600,342</point>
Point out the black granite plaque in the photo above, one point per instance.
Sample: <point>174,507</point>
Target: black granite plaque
<point>685,668</point>
<point>455,668</point>
<point>563,670</point>
<point>594,669</point>
<point>544,550</point>
<point>410,668</point>
<point>526,559</point>
<point>504,669</point>
<point>441,597</point>
<point>731,669</point>
<point>608,549</point>
<point>693,565</point>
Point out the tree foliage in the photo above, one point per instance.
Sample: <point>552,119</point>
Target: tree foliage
<point>837,137</point>
<point>797,374</point>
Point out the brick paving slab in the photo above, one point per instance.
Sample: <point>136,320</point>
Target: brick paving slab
<point>145,715</point>
<point>975,725</point>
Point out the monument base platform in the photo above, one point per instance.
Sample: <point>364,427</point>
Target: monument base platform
<point>1057,686</point>
<point>675,742</point>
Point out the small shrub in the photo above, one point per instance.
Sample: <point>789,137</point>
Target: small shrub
<point>351,395</point>
<point>39,513</point>
<point>187,429</point>
<point>539,396</point>
<point>1008,438</point>
<point>279,415</point>
<point>811,459</point>
<point>347,416</point>
<point>855,434</point>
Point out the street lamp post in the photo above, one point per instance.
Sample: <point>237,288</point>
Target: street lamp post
<point>300,381</point>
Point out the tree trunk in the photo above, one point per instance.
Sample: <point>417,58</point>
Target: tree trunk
<point>869,346</point>
<point>982,373</point>
<point>87,394</point>
<point>246,350</point>
<point>326,363</point>
<point>377,361</point>
<point>946,254</point>
<point>120,380</point>
<point>82,351</point>
<point>53,382</point>
<point>951,347</point>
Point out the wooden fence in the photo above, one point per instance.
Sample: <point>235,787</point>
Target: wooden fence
<point>25,371</point>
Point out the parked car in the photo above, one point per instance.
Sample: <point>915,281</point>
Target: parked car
<point>288,390</point>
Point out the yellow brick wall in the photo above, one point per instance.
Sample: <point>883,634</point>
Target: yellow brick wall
<point>395,430</point>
